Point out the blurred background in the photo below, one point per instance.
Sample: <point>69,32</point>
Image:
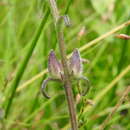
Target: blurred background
<point>90,19</point>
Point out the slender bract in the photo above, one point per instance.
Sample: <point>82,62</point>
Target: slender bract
<point>44,84</point>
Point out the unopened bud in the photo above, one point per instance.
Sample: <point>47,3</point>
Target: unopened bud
<point>75,63</point>
<point>123,36</point>
<point>54,66</point>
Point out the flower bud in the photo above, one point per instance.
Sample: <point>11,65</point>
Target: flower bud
<point>75,64</point>
<point>123,36</point>
<point>54,66</point>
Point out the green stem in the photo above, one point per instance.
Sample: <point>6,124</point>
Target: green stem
<point>66,77</point>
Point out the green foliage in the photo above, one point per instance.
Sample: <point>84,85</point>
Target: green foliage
<point>26,38</point>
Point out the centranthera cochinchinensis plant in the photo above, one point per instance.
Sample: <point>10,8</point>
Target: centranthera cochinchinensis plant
<point>56,71</point>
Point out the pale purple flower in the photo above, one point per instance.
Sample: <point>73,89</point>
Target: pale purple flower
<point>75,64</point>
<point>54,66</point>
<point>56,71</point>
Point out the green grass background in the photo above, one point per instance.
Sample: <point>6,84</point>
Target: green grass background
<point>26,37</point>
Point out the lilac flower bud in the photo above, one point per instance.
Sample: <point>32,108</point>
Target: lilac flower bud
<point>75,64</point>
<point>123,36</point>
<point>54,66</point>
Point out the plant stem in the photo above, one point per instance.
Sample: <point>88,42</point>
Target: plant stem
<point>23,65</point>
<point>66,77</point>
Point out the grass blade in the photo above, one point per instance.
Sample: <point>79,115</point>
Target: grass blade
<point>23,65</point>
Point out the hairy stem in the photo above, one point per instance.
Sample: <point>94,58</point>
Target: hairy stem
<point>67,83</point>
